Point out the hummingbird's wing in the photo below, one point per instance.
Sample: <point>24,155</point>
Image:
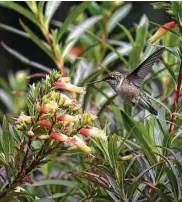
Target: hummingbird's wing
<point>137,75</point>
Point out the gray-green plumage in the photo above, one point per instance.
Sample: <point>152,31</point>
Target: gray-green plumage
<point>128,85</point>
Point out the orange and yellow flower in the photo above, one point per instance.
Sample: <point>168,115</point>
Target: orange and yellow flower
<point>161,31</point>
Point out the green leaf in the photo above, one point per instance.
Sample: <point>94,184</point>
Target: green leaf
<point>124,50</point>
<point>135,55</point>
<point>20,9</point>
<point>140,132</point>
<point>71,17</point>
<point>24,59</point>
<point>7,100</point>
<point>109,101</point>
<point>37,41</point>
<point>173,182</point>
<point>14,30</point>
<point>55,182</point>
<point>54,196</point>
<point>7,142</point>
<point>121,57</point>
<point>171,72</point>
<point>77,32</point>
<point>161,5</point>
<point>119,15</point>
<point>177,7</point>
<point>128,34</point>
<point>94,8</point>
<point>50,9</point>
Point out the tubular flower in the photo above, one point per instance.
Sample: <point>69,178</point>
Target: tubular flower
<point>77,142</point>
<point>68,86</point>
<point>51,107</point>
<point>93,132</point>
<point>45,123</point>
<point>67,117</point>
<point>161,31</point>
<point>59,137</point>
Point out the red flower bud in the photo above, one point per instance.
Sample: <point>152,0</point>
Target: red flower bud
<point>93,132</point>
<point>45,123</point>
<point>67,117</point>
<point>59,137</point>
<point>43,109</point>
<point>161,31</point>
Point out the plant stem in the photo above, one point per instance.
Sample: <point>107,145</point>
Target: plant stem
<point>176,98</point>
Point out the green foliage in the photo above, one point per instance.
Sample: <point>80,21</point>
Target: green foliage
<point>140,160</point>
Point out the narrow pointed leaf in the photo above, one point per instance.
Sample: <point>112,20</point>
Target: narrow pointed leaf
<point>50,9</point>
<point>24,59</point>
<point>78,31</point>
<point>119,15</point>
<point>71,17</point>
<point>20,9</point>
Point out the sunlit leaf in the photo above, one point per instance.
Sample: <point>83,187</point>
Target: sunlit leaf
<point>77,32</point>
<point>50,9</point>
<point>71,17</point>
<point>119,15</point>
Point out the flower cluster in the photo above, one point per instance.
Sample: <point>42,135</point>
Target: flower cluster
<point>57,117</point>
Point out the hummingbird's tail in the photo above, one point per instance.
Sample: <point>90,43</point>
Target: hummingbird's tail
<point>145,104</point>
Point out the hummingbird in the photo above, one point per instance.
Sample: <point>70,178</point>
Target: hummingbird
<point>129,85</point>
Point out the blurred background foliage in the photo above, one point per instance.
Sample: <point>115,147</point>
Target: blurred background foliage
<point>140,161</point>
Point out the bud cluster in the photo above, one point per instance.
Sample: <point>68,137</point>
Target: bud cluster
<point>59,118</point>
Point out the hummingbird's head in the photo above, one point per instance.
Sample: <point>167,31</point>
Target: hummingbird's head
<point>113,79</point>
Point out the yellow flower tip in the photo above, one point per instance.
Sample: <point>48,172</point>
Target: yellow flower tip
<point>59,137</point>
<point>77,142</point>
<point>64,79</point>
<point>93,132</point>
<point>161,31</point>
<point>43,137</point>
<point>30,133</point>
<point>70,87</point>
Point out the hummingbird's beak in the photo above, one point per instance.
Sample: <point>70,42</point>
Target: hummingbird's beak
<point>95,82</point>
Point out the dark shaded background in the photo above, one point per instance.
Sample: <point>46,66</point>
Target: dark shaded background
<point>30,50</point>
